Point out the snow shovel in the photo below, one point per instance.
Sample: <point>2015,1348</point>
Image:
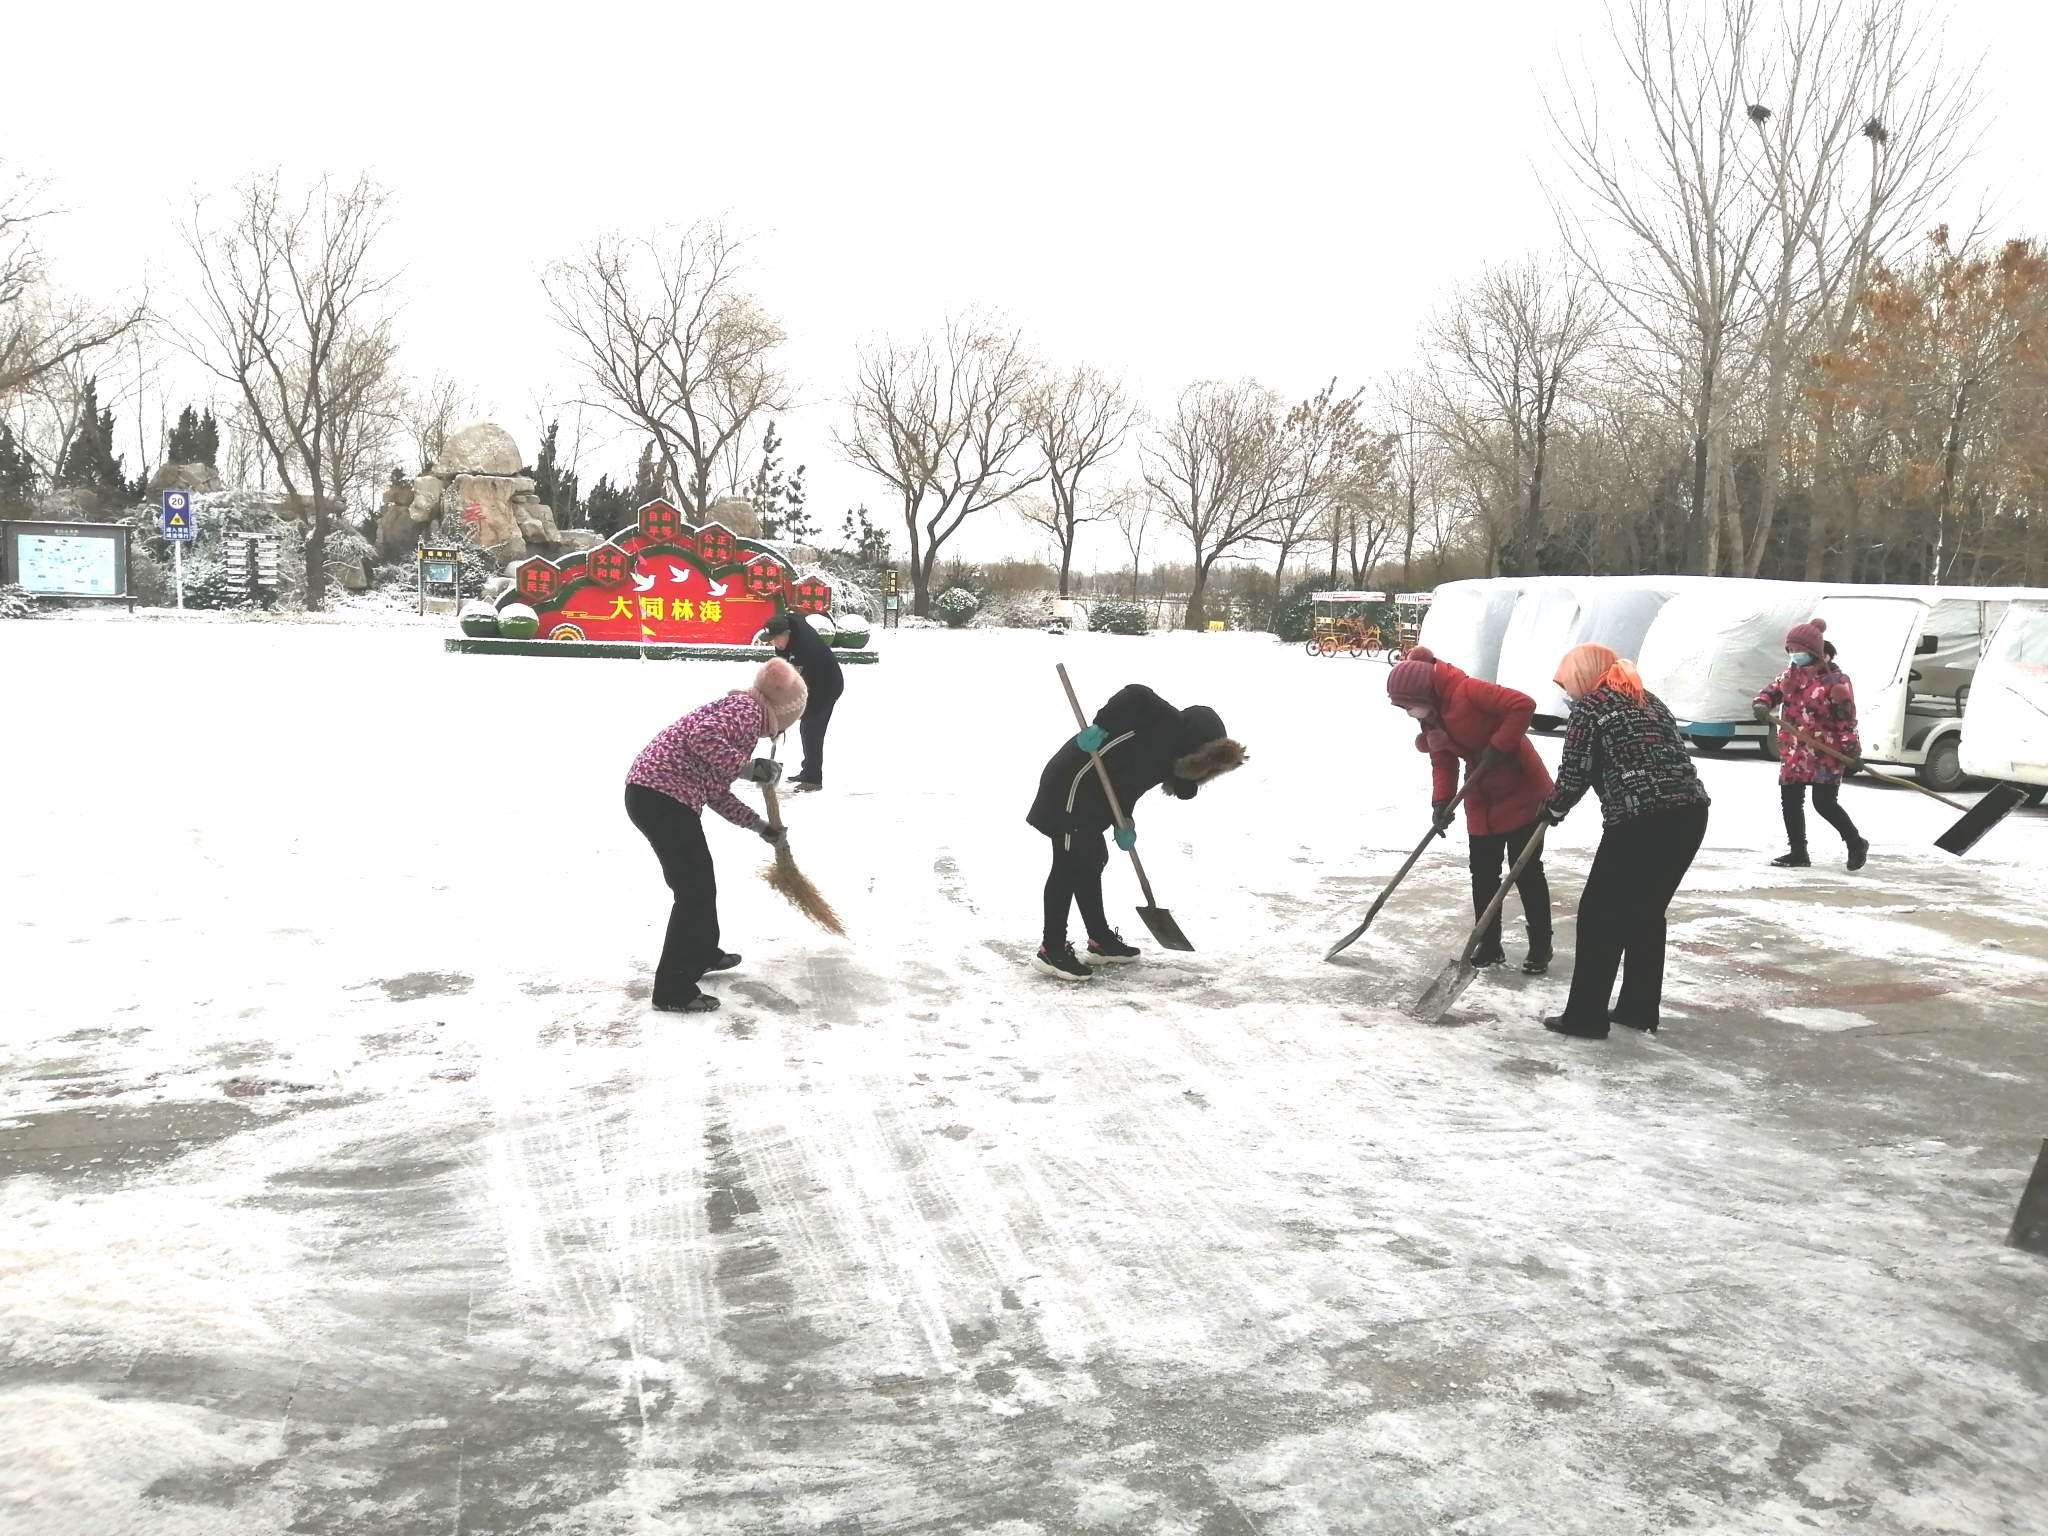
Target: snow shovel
<point>1998,803</point>
<point>1421,848</point>
<point>1456,976</point>
<point>1156,918</point>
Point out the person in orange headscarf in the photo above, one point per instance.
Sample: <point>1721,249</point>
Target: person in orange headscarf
<point>1623,745</point>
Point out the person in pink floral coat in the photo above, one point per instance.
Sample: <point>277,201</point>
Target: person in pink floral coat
<point>1817,697</point>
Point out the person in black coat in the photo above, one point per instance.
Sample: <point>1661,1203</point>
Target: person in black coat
<point>806,650</point>
<point>1144,742</point>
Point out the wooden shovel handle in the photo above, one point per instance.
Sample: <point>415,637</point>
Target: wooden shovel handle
<point>1857,762</point>
<point>1108,789</point>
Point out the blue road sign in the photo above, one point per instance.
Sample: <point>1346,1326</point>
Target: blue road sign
<point>180,523</point>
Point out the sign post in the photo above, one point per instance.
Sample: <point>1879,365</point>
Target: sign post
<point>440,569</point>
<point>179,526</point>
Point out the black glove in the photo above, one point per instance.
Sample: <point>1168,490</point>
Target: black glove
<point>1547,813</point>
<point>1489,760</point>
<point>774,837</point>
<point>762,770</point>
<point>1439,816</point>
<point>1762,711</point>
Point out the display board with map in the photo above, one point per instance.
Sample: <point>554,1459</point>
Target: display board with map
<point>82,560</point>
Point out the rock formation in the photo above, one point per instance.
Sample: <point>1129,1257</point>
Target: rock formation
<point>475,481</point>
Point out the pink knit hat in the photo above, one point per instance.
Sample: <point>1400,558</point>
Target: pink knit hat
<point>1413,681</point>
<point>780,688</point>
<point>1806,637</point>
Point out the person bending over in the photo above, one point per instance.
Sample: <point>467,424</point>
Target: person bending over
<point>1144,742</point>
<point>690,765</point>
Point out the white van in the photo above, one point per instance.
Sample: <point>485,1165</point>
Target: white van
<point>1467,620</point>
<point>1715,646</point>
<point>1556,613</point>
<point>2005,724</point>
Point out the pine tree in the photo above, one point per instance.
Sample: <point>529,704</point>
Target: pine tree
<point>17,474</point>
<point>647,480</point>
<point>194,440</point>
<point>779,498</point>
<point>609,508</point>
<point>89,461</point>
<point>867,544</point>
<point>554,485</point>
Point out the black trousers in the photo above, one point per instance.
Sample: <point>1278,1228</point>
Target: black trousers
<point>817,716</point>
<point>1078,859</point>
<point>1827,804</point>
<point>1493,851</point>
<point>1621,915</point>
<point>677,835</point>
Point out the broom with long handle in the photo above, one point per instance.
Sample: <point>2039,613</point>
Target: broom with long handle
<point>792,882</point>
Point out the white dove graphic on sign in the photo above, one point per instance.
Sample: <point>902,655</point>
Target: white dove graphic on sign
<point>716,588</point>
<point>643,583</point>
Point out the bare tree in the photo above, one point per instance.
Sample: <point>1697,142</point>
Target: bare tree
<point>1218,468</point>
<point>1684,205</point>
<point>41,330</point>
<point>1078,419</point>
<point>1318,441</point>
<point>1132,514</point>
<point>429,412</point>
<point>1509,351</point>
<point>945,423</point>
<point>286,312</point>
<point>675,348</point>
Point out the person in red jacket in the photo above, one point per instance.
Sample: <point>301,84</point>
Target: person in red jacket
<point>1486,727</point>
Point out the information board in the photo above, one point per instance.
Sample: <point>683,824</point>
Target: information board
<point>66,565</point>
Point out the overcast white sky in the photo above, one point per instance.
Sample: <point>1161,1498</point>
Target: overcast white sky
<point>1169,191</point>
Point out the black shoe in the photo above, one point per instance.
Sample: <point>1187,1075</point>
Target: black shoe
<point>1560,1025</point>
<point>1797,859</point>
<point>1859,850</point>
<point>1537,961</point>
<point>725,962</point>
<point>1646,1029</point>
<point>1489,954</point>
<point>1111,951</point>
<point>804,787</point>
<point>703,1002</point>
<point>1060,962</point>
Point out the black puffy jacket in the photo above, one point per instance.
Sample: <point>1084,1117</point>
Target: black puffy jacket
<point>1147,738</point>
<point>811,656</point>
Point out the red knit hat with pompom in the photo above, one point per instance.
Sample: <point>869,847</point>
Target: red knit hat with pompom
<point>1806,637</point>
<point>1413,681</point>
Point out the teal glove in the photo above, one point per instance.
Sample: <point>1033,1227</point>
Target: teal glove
<point>1127,837</point>
<point>1091,740</point>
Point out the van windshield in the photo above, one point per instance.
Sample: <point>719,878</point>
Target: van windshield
<point>2023,642</point>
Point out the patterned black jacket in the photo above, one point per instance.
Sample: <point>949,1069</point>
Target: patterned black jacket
<point>1629,754</point>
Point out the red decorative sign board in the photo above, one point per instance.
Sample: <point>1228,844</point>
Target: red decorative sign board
<point>666,582</point>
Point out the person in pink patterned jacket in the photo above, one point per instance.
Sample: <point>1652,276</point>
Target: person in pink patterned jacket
<point>689,766</point>
<point>1815,696</point>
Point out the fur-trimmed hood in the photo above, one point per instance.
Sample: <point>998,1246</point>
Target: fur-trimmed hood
<point>1208,760</point>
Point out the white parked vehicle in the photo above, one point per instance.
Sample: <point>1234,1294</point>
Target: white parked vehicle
<point>1467,620</point>
<point>1715,646</point>
<point>1556,613</point>
<point>2005,724</point>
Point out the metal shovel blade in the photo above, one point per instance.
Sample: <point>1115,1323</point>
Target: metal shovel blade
<point>1980,818</point>
<point>1449,986</point>
<point>1163,928</point>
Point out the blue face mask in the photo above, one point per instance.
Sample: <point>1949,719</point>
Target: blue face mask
<point>1802,658</point>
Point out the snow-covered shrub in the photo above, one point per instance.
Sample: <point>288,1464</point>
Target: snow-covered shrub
<point>955,606</point>
<point>16,604</point>
<point>1017,610</point>
<point>1110,616</point>
<point>851,630</point>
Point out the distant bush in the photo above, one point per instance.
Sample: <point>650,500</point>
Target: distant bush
<point>955,606</point>
<point>16,604</point>
<point>1110,617</point>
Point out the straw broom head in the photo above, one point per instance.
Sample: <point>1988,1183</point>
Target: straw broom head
<point>793,883</point>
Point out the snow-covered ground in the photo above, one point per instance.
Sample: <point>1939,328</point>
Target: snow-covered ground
<point>347,1185</point>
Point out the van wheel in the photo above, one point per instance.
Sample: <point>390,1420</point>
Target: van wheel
<point>1545,723</point>
<point>2034,794</point>
<point>1943,769</point>
<point>1710,743</point>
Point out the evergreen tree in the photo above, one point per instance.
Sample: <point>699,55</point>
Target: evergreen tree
<point>89,461</point>
<point>555,485</point>
<point>17,474</point>
<point>865,543</point>
<point>194,440</point>
<point>608,508</point>
<point>647,481</point>
<point>779,498</point>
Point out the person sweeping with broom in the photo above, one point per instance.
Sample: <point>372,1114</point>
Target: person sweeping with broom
<point>1814,696</point>
<point>1486,727</point>
<point>690,765</point>
<point>1144,743</point>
